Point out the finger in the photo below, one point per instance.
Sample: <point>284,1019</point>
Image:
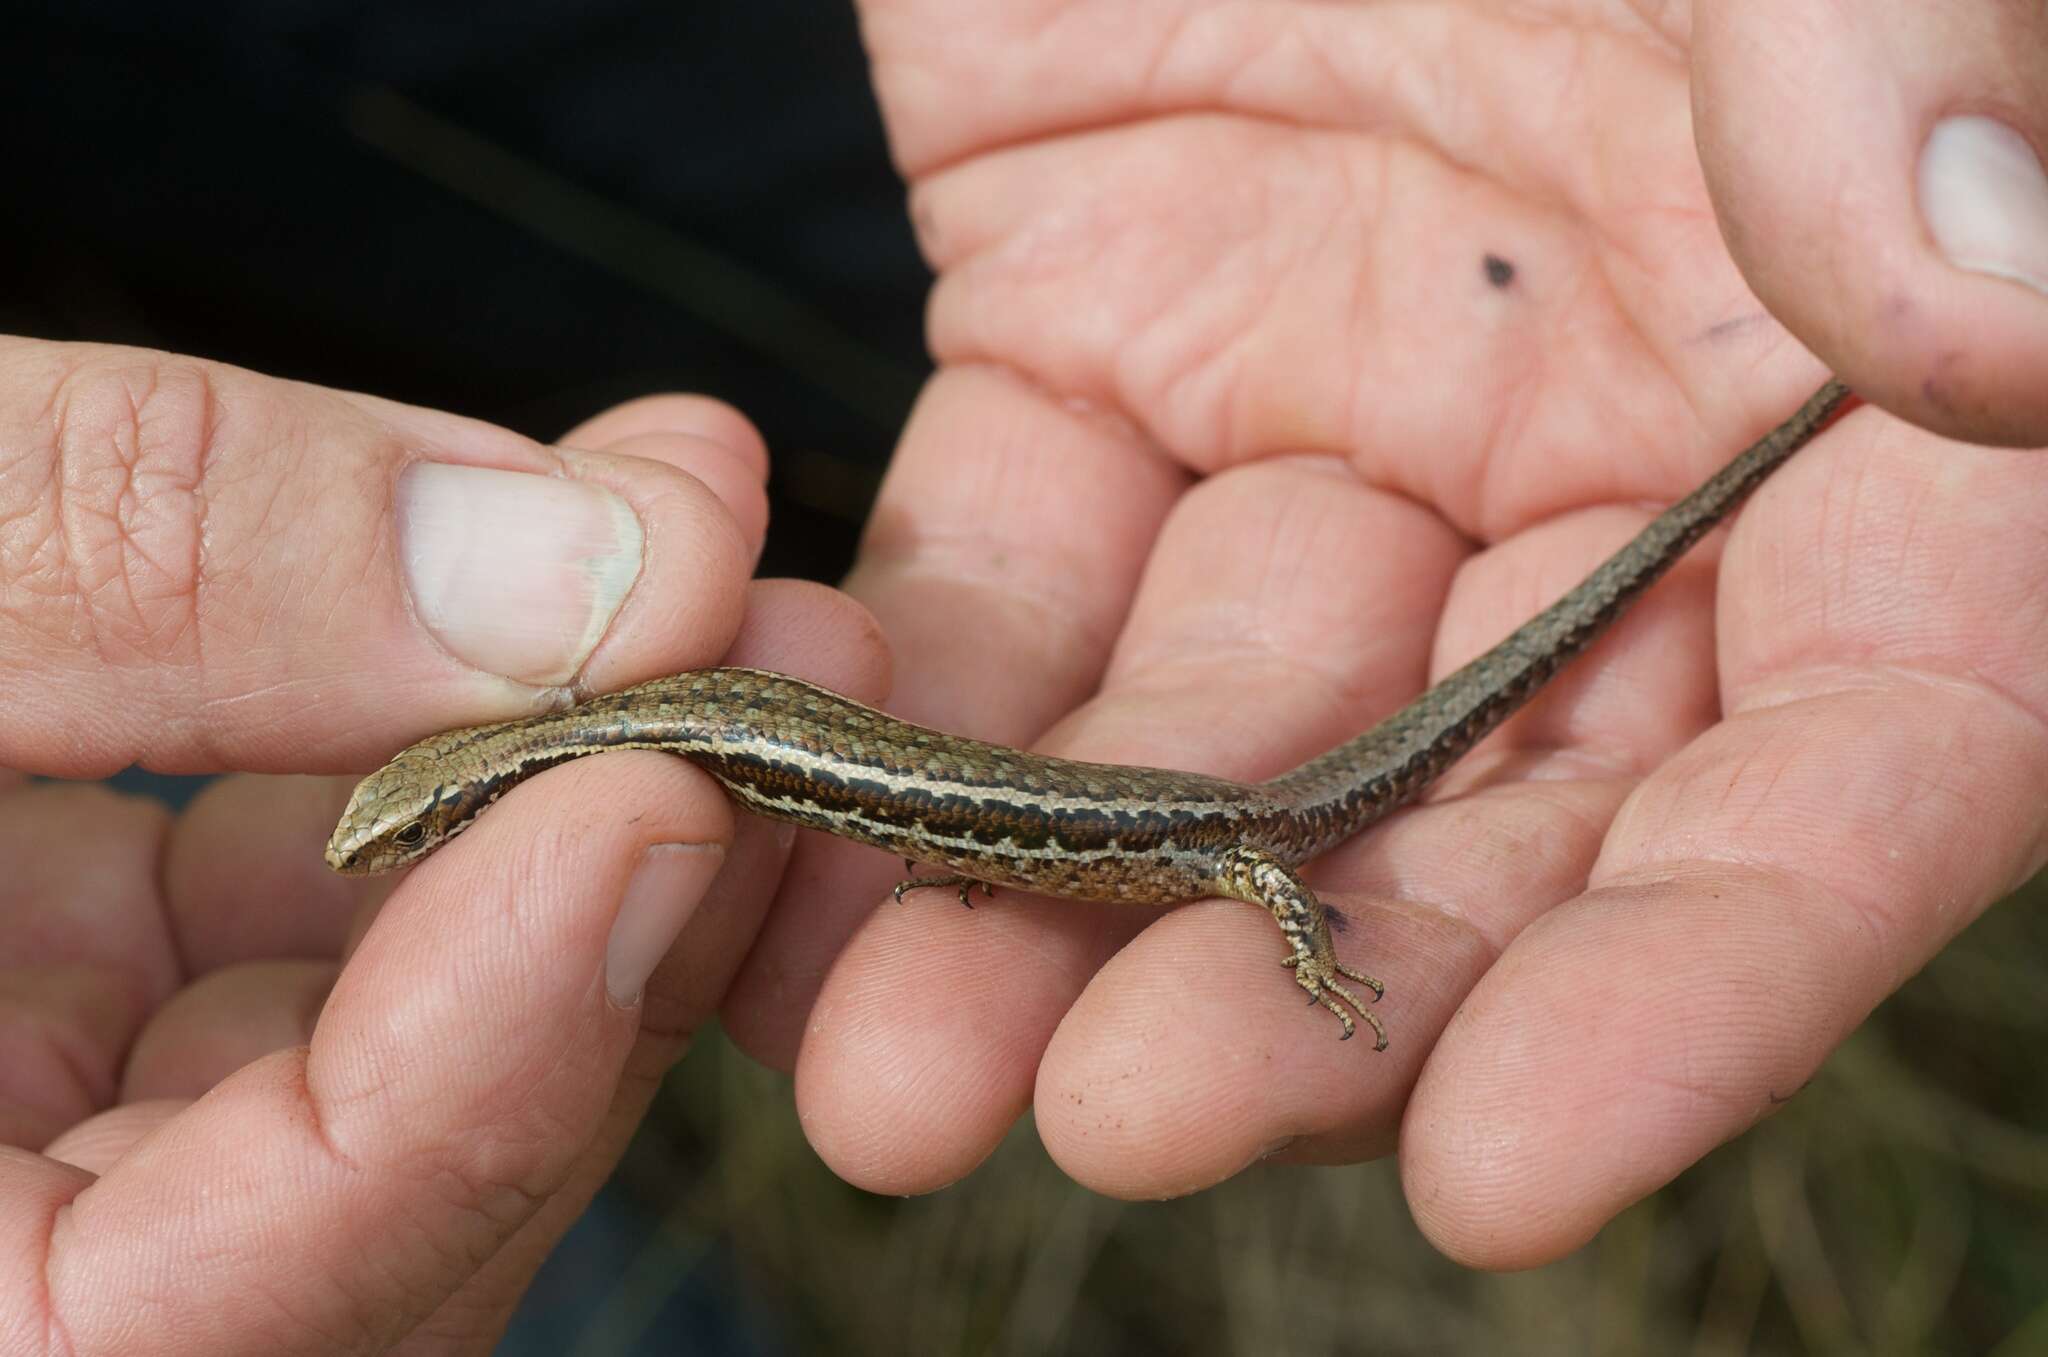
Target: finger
<point>482,1308</point>
<point>473,1045</point>
<point>999,560</point>
<point>728,475</point>
<point>706,438</point>
<point>201,555</point>
<point>223,1021</point>
<point>1639,693</point>
<point>98,1142</point>
<point>1430,898</point>
<point>814,633</point>
<point>88,952</point>
<point>1876,784</point>
<point>708,420</point>
<point>791,627</point>
<point>1877,172</point>
<point>244,875</point>
<point>1285,603</point>
<point>61,1047</point>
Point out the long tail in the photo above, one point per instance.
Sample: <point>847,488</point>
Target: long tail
<point>1341,792</point>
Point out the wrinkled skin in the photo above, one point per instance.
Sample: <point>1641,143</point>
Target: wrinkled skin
<point>1238,438</point>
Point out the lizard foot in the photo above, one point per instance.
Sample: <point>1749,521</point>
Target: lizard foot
<point>1253,874</point>
<point>1319,975</point>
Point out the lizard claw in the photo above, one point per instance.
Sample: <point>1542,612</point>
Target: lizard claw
<point>1323,977</point>
<point>965,885</point>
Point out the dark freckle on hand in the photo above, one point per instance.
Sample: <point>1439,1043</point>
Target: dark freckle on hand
<point>1499,271</point>
<point>1937,387</point>
<point>1728,329</point>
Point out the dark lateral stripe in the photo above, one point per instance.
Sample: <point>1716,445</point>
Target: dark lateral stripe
<point>895,749</point>
<point>990,820</point>
<point>484,791</point>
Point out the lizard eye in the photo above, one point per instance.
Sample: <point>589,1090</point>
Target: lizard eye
<point>411,836</point>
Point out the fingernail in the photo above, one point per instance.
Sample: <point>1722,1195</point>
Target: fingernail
<point>659,900</point>
<point>1985,200</point>
<point>517,574</point>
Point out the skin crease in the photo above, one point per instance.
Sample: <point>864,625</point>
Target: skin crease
<point>1223,264</point>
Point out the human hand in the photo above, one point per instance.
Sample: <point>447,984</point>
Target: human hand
<point>1252,320</point>
<point>226,1139</point>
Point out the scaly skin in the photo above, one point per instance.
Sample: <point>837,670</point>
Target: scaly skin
<point>792,751</point>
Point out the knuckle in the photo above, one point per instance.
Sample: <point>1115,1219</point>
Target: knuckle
<point>108,540</point>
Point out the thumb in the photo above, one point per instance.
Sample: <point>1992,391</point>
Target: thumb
<point>1877,172</point>
<point>206,568</point>
<point>332,1197</point>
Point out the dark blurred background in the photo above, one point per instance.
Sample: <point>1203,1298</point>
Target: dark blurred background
<point>528,211</point>
<point>523,212</point>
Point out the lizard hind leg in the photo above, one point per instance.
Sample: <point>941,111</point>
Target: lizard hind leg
<point>965,885</point>
<point>1257,877</point>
